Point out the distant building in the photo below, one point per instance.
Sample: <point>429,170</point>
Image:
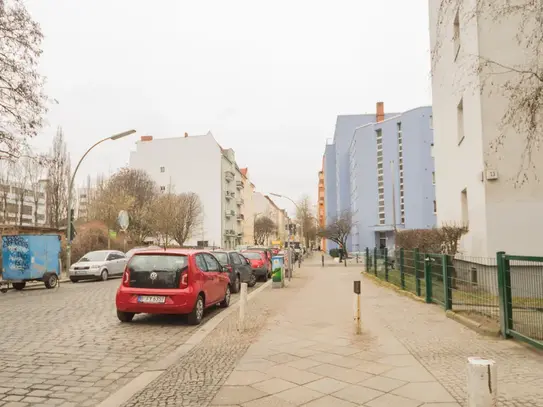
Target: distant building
<point>358,175</point>
<point>33,208</point>
<point>321,211</point>
<point>476,184</point>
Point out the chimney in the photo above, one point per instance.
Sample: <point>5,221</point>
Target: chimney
<point>186,134</point>
<point>146,138</point>
<point>380,112</point>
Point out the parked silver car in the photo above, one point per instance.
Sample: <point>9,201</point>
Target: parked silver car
<point>98,265</point>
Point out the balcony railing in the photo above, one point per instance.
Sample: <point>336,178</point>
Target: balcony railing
<point>240,201</point>
<point>230,232</point>
<point>240,184</point>
<point>241,217</point>
<point>230,213</point>
<point>230,195</point>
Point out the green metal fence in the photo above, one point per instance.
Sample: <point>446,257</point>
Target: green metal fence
<point>506,290</point>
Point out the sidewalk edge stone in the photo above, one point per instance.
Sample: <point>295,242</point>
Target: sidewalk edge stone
<point>126,392</point>
<point>473,325</point>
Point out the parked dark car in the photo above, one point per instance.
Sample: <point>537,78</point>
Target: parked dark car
<point>239,268</point>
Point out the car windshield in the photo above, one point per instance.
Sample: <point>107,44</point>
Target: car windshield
<point>252,255</point>
<point>157,262</point>
<point>222,257</point>
<point>94,256</point>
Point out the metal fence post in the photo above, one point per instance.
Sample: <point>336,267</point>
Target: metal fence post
<point>385,255</point>
<point>507,291</point>
<point>501,292</point>
<point>367,259</point>
<point>402,270</point>
<point>375,260</point>
<point>447,283</point>
<point>428,278</point>
<point>417,279</point>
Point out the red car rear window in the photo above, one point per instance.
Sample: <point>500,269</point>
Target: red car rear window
<point>157,262</point>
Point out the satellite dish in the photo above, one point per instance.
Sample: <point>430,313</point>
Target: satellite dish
<point>123,220</point>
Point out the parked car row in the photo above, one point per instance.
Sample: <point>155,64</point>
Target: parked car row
<point>174,281</point>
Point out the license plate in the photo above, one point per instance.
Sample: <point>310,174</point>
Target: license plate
<point>81,272</point>
<point>152,299</point>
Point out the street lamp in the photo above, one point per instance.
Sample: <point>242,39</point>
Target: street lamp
<point>69,225</point>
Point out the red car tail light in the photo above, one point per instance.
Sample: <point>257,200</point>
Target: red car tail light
<point>229,267</point>
<point>184,281</point>
<point>126,278</point>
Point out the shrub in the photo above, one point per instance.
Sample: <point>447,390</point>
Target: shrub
<point>438,240</point>
<point>334,252</point>
<point>88,240</point>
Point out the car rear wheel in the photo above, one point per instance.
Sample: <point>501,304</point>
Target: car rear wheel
<point>104,276</point>
<point>226,302</point>
<point>197,313</point>
<point>19,286</point>
<point>125,316</point>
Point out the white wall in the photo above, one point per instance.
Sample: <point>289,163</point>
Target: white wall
<point>192,164</point>
<point>501,217</point>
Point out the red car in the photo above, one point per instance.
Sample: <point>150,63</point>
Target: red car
<point>259,263</point>
<point>172,281</point>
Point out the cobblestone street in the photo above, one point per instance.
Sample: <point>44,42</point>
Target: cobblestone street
<point>68,348</point>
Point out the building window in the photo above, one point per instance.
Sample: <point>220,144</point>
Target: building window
<point>460,121</point>
<point>162,188</point>
<point>380,180</point>
<point>162,169</point>
<point>456,35</point>
<point>400,166</point>
<point>435,207</point>
<point>433,177</point>
<point>431,122</point>
<point>464,203</point>
<point>432,150</point>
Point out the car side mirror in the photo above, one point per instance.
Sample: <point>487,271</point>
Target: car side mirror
<point>224,269</point>
<point>248,262</point>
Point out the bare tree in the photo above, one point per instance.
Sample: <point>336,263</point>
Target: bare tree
<point>521,84</point>
<point>187,213</point>
<point>339,229</point>
<point>58,181</point>
<point>107,203</point>
<point>164,210</point>
<point>35,170</point>
<point>264,228</point>
<point>20,187</point>
<point>6,170</point>
<point>22,101</point>
<point>306,219</point>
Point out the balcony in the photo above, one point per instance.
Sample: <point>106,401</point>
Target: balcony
<point>240,184</point>
<point>241,217</point>
<point>240,235</point>
<point>229,213</point>
<point>230,232</point>
<point>240,201</point>
<point>229,195</point>
<point>229,176</point>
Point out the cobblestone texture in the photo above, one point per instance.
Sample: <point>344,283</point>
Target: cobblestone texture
<point>66,347</point>
<point>443,347</point>
<point>196,377</point>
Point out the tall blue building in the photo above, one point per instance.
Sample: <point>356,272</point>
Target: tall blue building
<point>370,154</point>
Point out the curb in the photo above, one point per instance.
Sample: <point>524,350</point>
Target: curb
<point>473,325</point>
<point>137,384</point>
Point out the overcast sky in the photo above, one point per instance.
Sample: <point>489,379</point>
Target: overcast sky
<point>267,78</point>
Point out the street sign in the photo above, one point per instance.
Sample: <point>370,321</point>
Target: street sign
<point>112,234</point>
<point>123,220</point>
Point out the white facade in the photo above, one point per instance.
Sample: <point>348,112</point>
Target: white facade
<point>248,209</point>
<point>264,206</point>
<point>189,164</point>
<point>475,183</point>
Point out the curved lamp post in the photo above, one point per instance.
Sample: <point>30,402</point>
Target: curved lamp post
<point>69,225</point>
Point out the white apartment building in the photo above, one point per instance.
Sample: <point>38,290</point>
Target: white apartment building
<point>476,183</point>
<point>248,209</point>
<point>34,208</point>
<point>198,164</point>
<point>264,206</point>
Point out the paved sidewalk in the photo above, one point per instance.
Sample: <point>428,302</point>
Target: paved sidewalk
<point>409,355</point>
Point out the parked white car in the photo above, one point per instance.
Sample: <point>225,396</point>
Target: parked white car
<point>98,265</point>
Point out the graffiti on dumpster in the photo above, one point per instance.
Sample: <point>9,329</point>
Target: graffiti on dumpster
<point>19,254</point>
